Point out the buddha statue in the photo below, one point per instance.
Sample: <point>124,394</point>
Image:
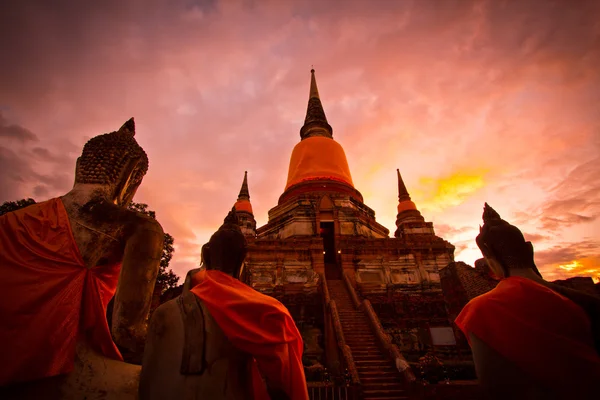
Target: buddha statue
<point>65,259</point>
<point>530,338</point>
<point>222,339</point>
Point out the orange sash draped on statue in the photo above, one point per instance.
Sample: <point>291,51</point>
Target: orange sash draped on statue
<point>48,298</point>
<point>258,325</point>
<point>547,335</point>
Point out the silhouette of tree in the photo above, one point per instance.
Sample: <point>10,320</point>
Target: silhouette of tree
<point>9,206</point>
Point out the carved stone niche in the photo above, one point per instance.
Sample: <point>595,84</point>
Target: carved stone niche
<point>262,276</point>
<point>297,272</point>
<point>371,280</point>
<point>404,276</point>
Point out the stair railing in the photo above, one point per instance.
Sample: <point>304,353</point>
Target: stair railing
<point>351,290</point>
<point>343,348</point>
<point>390,348</point>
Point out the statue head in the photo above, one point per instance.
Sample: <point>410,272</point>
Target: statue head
<point>226,249</point>
<point>503,245</point>
<point>115,161</point>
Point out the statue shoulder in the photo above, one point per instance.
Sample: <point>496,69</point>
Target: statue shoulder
<point>163,317</point>
<point>144,222</point>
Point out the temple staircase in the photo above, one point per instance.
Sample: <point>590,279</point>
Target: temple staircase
<point>378,376</point>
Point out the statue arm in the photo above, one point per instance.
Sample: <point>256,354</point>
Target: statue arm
<point>141,261</point>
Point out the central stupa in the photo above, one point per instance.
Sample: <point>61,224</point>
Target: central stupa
<point>322,231</point>
<point>317,157</point>
<point>319,195</point>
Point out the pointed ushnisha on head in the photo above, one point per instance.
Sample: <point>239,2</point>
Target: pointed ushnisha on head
<point>505,242</point>
<point>226,248</point>
<point>128,127</point>
<point>490,215</point>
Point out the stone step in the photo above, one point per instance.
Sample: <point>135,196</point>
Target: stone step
<point>363,342</point>
<point>379,393</point>
<point>374,362</point>
<point>376,372</point>
<point>383,386</point>
<point>361,335</point>
<point>363,352</point>
<point>350,340</point>
<point>361,345</point>
<point>382,380</point>
<point>364,359</point>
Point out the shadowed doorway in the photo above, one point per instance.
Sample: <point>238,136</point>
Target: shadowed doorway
<point>331,268</point>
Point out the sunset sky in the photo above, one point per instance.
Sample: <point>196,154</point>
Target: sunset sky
<point>474,101</point>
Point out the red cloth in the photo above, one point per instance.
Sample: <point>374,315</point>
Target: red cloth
<point>258,325</point>
<point>547,335</point>
<point>47,296</point>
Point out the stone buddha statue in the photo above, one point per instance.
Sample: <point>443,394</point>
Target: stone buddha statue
<point>66,258</point>
<point>187,354</point>
<point>221,339</point>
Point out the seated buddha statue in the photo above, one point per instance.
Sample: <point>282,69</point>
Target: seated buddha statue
<point>531,339</point>
<point>221,339</point>
<point>61,262</point>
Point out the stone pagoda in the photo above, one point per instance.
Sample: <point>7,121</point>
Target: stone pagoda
<point>323,243</point>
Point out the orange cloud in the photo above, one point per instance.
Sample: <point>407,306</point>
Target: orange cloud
<point>587,266</point>
<point>436,194</point>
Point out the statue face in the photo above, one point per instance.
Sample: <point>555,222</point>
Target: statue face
<point>496,270</point>
<point>127,186</point>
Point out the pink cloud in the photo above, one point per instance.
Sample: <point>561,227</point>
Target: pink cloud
<point>220,87</point>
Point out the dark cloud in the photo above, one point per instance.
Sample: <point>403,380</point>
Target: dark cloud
<point>41,191</point>
<point>15,131</point>
<point>21,174</point>
<point>567,252</point>
<point>575,200</point>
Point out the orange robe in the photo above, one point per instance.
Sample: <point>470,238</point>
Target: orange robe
<point>258,325</point>
<point>48,298</point>
<point>547,335</point>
